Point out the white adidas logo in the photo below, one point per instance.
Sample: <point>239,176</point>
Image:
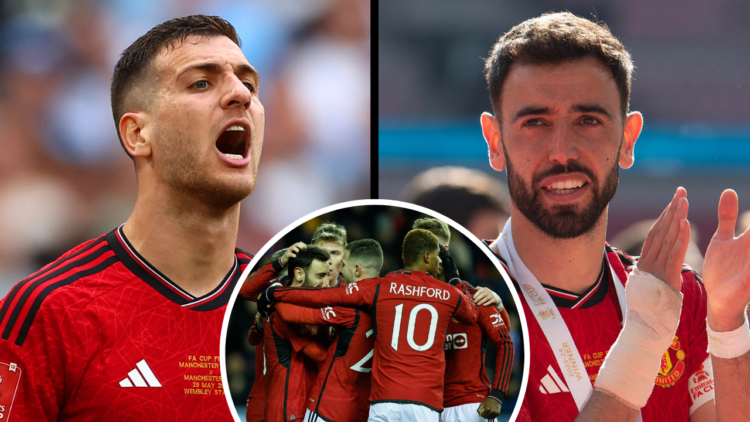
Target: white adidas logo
<point>138,380</point>
<point>550,385</point>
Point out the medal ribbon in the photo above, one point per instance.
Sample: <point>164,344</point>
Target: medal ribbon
<point>548,316</point>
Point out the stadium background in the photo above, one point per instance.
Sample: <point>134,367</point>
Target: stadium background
<point>691,83</point>
<point>63,175</point>
<point>388,225</point>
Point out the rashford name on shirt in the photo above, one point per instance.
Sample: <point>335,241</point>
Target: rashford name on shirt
<point>407,290</point>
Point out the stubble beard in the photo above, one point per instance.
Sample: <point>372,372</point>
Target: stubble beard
<point>187,175</point>
<point>562,221</point>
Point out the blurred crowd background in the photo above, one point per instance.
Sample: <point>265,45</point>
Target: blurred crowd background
<point>691,83</point>
<point>388,225</point>
<point>63,175</point>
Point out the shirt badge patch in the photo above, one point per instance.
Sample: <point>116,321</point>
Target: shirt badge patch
<point>10,377</point>
<point>672,365</point>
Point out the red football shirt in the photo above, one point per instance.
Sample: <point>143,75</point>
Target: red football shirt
<point>257,282</point>
<point>256,400</point>
<point>100,334</point>
<point>289,372</point>
<point>593,319</point>
<point>342,388</point>
<point>410,311</point>
<point>465,346</point>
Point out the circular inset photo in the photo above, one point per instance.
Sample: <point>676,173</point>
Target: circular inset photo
<point>371,310</point>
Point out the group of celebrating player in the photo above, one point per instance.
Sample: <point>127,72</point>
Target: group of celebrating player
<point>336,342</point>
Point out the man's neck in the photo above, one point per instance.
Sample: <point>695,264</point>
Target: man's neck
<point>189,242</point>
<point>569,264</point>
<point>415,268</point>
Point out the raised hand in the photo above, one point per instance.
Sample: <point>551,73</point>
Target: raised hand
<point>726,269</point>
<point>664,251</point>
<point>291,252</point>
<point>486,297</point>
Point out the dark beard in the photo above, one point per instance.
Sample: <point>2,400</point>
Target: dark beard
<point>561,221</point>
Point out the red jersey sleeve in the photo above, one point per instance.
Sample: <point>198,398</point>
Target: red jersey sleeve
<point>361,293</point>
<point>315,352</point>
<point>693,290</point>
<point>494,327</point>
<point>338,316</point>
<point>40,372</point>
<point>259,281</point>
<point>255,336</point>
<point>466,311</point>
<point>298,336</point>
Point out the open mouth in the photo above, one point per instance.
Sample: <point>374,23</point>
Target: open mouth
<point>566,187</point>
<point>233,142</point>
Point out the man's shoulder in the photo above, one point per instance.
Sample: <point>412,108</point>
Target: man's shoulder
<point>60,289</point>
<point>283,330</point>
<point>243,257</point>
<point>614,254</point>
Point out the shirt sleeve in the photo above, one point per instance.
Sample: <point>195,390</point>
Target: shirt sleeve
<point>298,336</point>
<point>697,347</point>
<point>41,371</point>
<point>257,282</point>
<point>701,382</point>
<point>361,293</point>
<point>338,316</point>
<point>466,311</point>
<point>494,327</point>
<point>255,336</point>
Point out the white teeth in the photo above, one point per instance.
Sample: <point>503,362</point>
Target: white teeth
<point>568,184</point>
<point>233,156</point>
<point>236,128</point>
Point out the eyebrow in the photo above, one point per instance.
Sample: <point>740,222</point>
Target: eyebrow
<point>241,69</point>
<point>591,108</point>
<point>531,110</point>
<point>579,108</point>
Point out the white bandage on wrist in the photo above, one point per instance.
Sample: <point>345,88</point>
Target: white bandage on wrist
<point>729,344</point>
<point>499,301</point>
<point>653,314</point>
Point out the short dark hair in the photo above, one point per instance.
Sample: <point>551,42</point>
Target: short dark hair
<point>330,232</point>
<point>437,227</point>
<point>366,252</point>
<point>136,60</point>
<point>416,243</point>
<point>305,257</point>
<point>555,38</point>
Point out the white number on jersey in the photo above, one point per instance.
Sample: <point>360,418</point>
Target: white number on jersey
<point>358,366</point>
<point>412,323</point>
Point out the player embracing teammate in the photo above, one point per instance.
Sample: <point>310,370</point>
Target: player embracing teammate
<point>409,312</point>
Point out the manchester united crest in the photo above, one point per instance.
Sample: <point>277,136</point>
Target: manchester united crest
<point>672,365</point>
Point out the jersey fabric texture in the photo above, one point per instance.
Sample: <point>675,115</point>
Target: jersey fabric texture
<point>257,282</point>
<point>100,334</point>
<point>410,311</point>
<point>465,349</point>
<point>594,319</point>
<point>256,400</point>
<point>289,373</point>
<point>342,388</point>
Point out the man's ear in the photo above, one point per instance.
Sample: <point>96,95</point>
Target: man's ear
<point>357,270</point>
<point>631,131</point>
<point>135,132</point>
<point>299,274</point>
<point>491,132</point>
